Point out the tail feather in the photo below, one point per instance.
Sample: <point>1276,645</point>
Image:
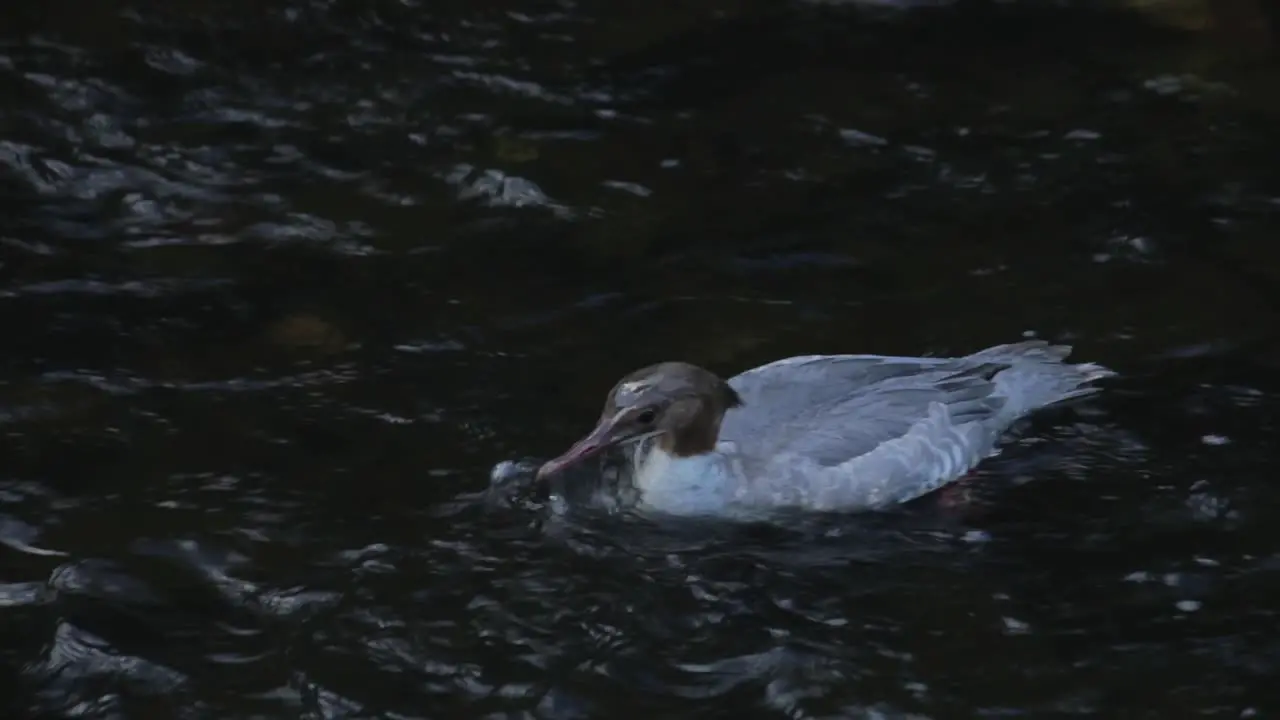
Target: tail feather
<point>1038,377</point>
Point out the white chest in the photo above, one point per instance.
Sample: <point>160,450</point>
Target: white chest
<point>684,485</point>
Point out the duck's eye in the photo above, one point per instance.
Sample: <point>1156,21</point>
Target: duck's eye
<point>647,417</point>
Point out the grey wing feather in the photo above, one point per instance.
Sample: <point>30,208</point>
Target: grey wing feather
<point>830,409</point>
<point>875,404</point>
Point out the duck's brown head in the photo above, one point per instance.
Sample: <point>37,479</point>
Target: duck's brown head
<point>679,404</point>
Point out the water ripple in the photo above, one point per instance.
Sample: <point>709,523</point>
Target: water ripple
<point>281,285</point>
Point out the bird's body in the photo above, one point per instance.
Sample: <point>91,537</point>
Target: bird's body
<point>824,432</point>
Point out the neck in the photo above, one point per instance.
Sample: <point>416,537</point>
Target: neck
<point>696,434</point>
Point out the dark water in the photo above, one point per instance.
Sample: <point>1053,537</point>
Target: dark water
<point>282,281</point>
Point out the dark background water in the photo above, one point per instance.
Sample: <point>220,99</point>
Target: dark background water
<point>282,281</point>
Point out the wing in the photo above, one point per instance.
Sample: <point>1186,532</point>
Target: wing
<point>833,408</point>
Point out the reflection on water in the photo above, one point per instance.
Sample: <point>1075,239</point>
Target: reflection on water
<point>282,284</point>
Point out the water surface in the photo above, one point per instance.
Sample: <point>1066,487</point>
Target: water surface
<point>283,281</point>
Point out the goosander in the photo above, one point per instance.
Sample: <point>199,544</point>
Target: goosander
<point>821,432</point>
